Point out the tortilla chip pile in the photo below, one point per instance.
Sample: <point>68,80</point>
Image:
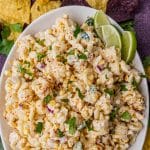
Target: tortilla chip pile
<point>22,11</point>
<point>42,6</point>
<point>25,11</point>
<point>15,11</point>
<point>98,4</point>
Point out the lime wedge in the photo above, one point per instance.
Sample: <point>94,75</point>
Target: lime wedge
<point>129,46</point>
<point>111,36</point>
<point>100,19</point>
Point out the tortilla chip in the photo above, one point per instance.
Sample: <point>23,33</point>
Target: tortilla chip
<point>42,6</point>
<point>15,11</point>
<point>98,4</point>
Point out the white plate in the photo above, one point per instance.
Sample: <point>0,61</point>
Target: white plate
<point>79,14</point>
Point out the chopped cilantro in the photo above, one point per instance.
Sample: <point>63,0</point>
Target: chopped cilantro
<point>77,31</point>
<point>134,83</point>
<point>125,116</point>
<point>17,27</point>
<point>41,42</point>
<point>123,87</point>
<point>39,127</point>
<point>79,93</point>
<point>61,59</point>
<point>127,25</point>
<point>66,100</point>
<point>50,47</point>
<point>69,82</point>
<point>71,52</point>
<point>47,99</point>
<point>113,113</point>
<point>72,125</point>
<point>21,69</point>
<point>24,71</point>
<point>82,56</point>
<point>40,56</point>
<point>89,124</point>
<point>27,63</point>
<point>143,75</point>
<point>90,21</point>
<point>109,91</point>
<point>60,133</point>
<point>106,76</point>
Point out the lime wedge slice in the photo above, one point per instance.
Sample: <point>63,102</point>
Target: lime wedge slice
<point>111,36</point>
<point>100,19</point>
<point>129,46</point>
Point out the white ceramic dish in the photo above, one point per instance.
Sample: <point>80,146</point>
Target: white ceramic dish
<point>79,14</point>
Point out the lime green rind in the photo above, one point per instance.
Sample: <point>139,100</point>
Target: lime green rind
<point>129,46</point>
<point>100,19</point>
<point>111,36</point>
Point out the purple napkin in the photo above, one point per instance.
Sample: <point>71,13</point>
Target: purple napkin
<point>122,10</point>
<point>2,60</point>
<point>142,27</point>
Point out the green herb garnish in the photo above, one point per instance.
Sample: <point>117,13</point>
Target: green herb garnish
<point>71,52</point>
<point>60,133</point>
<point>16,27</point>
<point>77,31</point>
<point>69,82</point>
<point>24,71</point>
<point>61,59</point>
<point>66,100</point>
<point>79,93</point>
<point>123,87</point>
<point>41,42</point>
<point>27,63</point>
<point>113,113</point>
<point>89,124</point>
<point>72,125</point>
<point>109,91</point>
<point>40,56</point>
<point>47,99</point>
<point>126,116</point>
<point>128,25</point>
<point>90,21</point>
<point>50,47</point>
<point>134,83</point>
<point>82,56</point>
<point>143,75</point>
<point>21,69</point>
<point>39,127</point>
